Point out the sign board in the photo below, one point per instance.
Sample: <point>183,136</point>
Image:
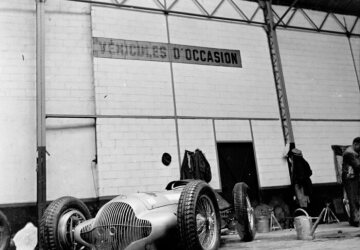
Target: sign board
<point>164,52</point>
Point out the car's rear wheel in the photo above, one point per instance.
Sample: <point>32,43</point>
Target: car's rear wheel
<point>198,217</point>
<point>59,221</point>
<point>244,213</point>
<point>5,232</point>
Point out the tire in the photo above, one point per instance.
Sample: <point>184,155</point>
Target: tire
<point>5,232</point>
<point>198,217</point>
<point>244,213</point>
<point>55,231</point>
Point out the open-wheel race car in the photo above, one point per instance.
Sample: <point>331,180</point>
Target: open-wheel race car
<point>189,215</point>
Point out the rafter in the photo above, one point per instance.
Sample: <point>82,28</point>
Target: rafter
<point>253,15</point>
<point>309,19</point>
<point>159,3</point>
<point>217,7</point>
<point>286,12</point>
<point>291,17</point>
<point>353,27</point>
<point>205,12</point>
<point>172,5</point>
<point>323,22</point>
<point>339,22</point>
<point>238,10</point>
<point>202,9</point>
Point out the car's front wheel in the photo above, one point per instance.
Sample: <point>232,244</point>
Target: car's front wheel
<point>59,221</point>
<point>244,213</point>
<point>198,217</point>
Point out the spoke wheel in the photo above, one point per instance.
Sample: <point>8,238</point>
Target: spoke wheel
<point>66,226</point>
<point>250,213</point>
<point>206,222</point>
<point>244,213</point>
<point>59,221</point>
<point>198,217</point>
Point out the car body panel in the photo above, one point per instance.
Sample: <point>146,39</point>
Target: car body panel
<point>157,208</point>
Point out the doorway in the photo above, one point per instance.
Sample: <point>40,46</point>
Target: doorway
<point>237,164</point>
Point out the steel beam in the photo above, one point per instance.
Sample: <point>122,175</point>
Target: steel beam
<point>40,111</point>
<point>278,73</point>
<point>207,15</point>
<point>168,10</point>
<point>286,12</point>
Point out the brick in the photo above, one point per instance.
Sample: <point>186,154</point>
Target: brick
<point>133,157</point>
<point>131,25</point>
<point>269,146</point>
<point>317,68</point>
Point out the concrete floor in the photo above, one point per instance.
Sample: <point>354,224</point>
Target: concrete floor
<point>327,236</point>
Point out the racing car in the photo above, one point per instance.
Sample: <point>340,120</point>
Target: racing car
<point>187,215</point>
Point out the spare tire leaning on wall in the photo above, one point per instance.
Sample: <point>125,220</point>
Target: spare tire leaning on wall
<point>5,232</point>
<point>59,220</point>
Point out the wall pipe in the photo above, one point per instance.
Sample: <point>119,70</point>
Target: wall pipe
<point>40,112</point>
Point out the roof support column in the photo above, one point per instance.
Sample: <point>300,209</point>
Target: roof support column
<point>40,111</point>
<point>278,73</point>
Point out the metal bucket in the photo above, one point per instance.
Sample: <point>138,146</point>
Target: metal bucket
<point>303,226</point>
<point>263,224</point>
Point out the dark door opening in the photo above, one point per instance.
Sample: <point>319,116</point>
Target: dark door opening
<point>237,164</point>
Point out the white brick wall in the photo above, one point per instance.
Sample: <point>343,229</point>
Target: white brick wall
<point>199,134</point>
<point>222,91</point>
<point>128,87</point>
<point>128,25</point>
<point>17,150</point>
<point>71,145</point>
<point>17,5</point>
<point>17,102</point>
<point>269,148</point>
<point>130,153</point>
<point>122,88</point>
<point>232,130</point>
<point>69,77</point>
<point>69,90</point>
<point>319,76</point>
<point>320,81</point>
<point>315,140</point>
<point>67,7</point>
<point>355,44</point>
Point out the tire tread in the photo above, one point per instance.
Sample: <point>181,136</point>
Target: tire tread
<point>50,219</point>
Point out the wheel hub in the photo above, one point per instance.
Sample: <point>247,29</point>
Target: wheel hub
<point>206,222</point>
<point>67,223</point>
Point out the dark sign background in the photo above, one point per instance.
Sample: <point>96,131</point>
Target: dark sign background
<point>163,52</point>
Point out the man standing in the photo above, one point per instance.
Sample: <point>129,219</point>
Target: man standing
<point>351,179</point>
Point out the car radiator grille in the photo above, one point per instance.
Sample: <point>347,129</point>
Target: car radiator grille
<point>115,227</point>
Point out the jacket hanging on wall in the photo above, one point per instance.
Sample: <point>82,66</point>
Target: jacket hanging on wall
<point>195,166</point>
